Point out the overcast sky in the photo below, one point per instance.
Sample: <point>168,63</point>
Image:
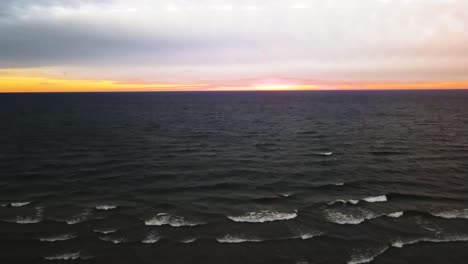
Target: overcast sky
<point>191,40</point>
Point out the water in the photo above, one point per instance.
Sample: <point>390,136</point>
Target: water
<point>246,177</point>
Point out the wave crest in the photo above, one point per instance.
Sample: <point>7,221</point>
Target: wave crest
<point>263,216</point>
<point>376,199</point>
<point>58,238</point>
<point>463,213</point>
<point>171,220</point>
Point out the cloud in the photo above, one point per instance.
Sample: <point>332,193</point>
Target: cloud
<point>226,38</point>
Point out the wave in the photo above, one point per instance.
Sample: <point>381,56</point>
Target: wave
<point>37,218</point>
<point>451,238</point>
<point>350,201</point>
<point>463,213</point>
<point>106,207</point>
<point>366,256</point>
<point>113,240</point>
<point>352,219</point>
<point>19,204</point>
<point>263,216</point>
<point>79,218</point>
<point>310,235</point>
<point>105,232</point>
<point>323,153</point>
<point>188,240</point>
<point>375,199</point>
<point>151,238</point>
<point>65,256</point>
<point>167,219</point>
<point>235,239</point>
<point>58,238</point>
<point>395,215</point>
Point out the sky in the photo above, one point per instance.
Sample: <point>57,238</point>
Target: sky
<point>185,45</point>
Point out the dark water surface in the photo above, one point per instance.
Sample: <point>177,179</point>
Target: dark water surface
<point>246,177</point>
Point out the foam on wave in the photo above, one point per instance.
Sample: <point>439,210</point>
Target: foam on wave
<point>451,238</point>
<point>106,207</point>
<point>55,238</point>
<point>396,214</point>
<point>19,204</point>
<point>105,232</point>
<point>151,238</point>
<point>37,218</point>
<point>324,153</point>
<point>113,240</point>
<point>236,239</point>
<point>375,199</point>
<point>167,219</point>
<point>366,256</point>
<point>79,218</point>
<point>65,256</point>
<point>188,240</point>
<point>451,214</point>
<point>263,216</point>
<point>350,201</point>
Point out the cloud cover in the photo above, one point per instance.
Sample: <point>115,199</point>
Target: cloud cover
<point>230,39</point>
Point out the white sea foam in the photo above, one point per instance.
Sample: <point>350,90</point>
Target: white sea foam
<point>65,256</point>
<point>324,153</point>
<point>55,238</point>
<point>286,194</point>
<point>263,216</point>
<point>395,215</point>
<point>167,219</point>
<point>310,235</point>
<point>151,238</point>
<point>366,256</point>
<point>235,239</point>
<point>79,218</point>
<point>105,232</point>
<point>350,201</point>
<point>26,220</point>
<point>113,240</point>
<point>450,238</point>
<point>463,213</point>
<point>338,184</point>
<point>106,207</point>
<point>19,204</point>
<point>350,219</point>
<point>188,240</point>
<point>375,199</point>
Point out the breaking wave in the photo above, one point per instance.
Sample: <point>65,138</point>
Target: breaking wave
<point>236,239</point>
<point>451,238</point>
<point>354,219</point>
<point>463,213</point>
<point>66,256</point>
<point>167,219</point>
<point>105,232</point>
<point>79,218</point>
<point>113,240</point>
<point>58,238</point>
<point>350,201</point>
<point>263,216</point>
<point>375,199</point>
<point>106,207</point>
<point>151,238</point>
<point>366,256</point>
<point>19,204</point>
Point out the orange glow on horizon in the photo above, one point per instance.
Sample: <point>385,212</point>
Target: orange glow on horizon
<point>33,80</point>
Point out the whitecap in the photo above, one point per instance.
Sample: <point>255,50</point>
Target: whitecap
<point>65,256</point>
<point>286,194</point>
<point>263,216</point>
<point>79,218</point>
<point>395,215</point>
<point>375,199</point>
<point>167,219</point>
<point>350,201</point>
<point>338,184</point>
<point>366,256</point>
<point>55,238</point>
<point>450,238</point>
<point>105,232</point>
<point>151,238</point>
<point>310,235</point>
<point>106,207</point>
<point>188,240</point>
<point>350,219</point>
<point>19,204</point>
<point>235,239</point>
<point>324,153</point>
<point>113,240</point>
<point>26,220</point>
<point>451,214</point>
